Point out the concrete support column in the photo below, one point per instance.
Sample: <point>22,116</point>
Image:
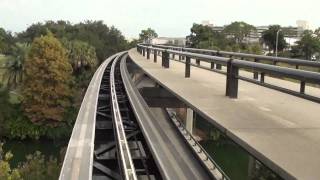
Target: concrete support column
<point>189,120</point>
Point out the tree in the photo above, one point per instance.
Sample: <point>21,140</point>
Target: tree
<point>14,66</point>
<point>5,108</point>
<point>269,38</point>
<point>38,168</point>
<point>6,172</point>
<point>133,43</point>
<point>147,35</point>
<point>205,37</point>
<point>46,89</point>
<point>238,31</point>
<point>81,55</point>
<point>317,32</point>
<point>106,40</point>
<point>6,42</point>
<point>309,44</point>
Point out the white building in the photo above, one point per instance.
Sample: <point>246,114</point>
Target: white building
<point>177,41</point>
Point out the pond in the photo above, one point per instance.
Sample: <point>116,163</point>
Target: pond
<point>20,149</point>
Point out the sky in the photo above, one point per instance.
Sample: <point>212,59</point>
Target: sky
<point>169,18</point>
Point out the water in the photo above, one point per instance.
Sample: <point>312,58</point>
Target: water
<point>234,160</point>
<point>20,149</point>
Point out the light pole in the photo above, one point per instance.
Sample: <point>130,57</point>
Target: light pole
<point>277,40</point>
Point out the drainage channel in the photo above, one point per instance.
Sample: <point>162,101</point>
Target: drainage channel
<point>120,150</point>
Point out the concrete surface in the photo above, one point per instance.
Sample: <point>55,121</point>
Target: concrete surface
<point>78,159</point>
<point>281,130</point>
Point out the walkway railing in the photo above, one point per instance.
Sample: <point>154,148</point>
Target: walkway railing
<point>256,58</point>
<point>233,66</point>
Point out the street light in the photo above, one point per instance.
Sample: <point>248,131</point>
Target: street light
<point>277,39</point>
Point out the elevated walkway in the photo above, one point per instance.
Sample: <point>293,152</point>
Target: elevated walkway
<point>281,130</point>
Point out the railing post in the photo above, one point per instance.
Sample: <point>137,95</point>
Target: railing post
<point>198,62</point>
<point>262,77</point>
<point>165,59</point>
<point>182,57</point>
<point>302,87</point>
<point>218,66</point>
<point>148,53</point>
<point>155,55</point>
<point>255,74</point>
<point>232,80</point>
<point>297,66</point>
<point>212,63</point>
<point>173,56</point>
<point>187,69</point>
<point>144,51</point>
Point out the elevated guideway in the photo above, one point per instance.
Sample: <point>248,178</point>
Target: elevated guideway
<point>116,135</point>
<point>279,129</point>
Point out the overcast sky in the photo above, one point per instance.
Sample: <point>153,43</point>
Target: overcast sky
<point>167,17</point>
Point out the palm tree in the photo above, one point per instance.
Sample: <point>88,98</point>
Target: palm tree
<point>82,56</point>
<point>13,74</point>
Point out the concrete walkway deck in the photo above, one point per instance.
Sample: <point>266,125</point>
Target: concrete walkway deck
<point>281,130</point>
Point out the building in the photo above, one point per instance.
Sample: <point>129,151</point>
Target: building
<point>177,41</point>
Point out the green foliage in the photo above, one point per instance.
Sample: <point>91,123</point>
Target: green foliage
<point>14,66</point>
<point>6,108</point>
<point>106,40</point>
<point>22,128</point>
<point>46,89</point>
<point>38,168</point>
<point>82,56</point>
<point>204,37</point>
<point>147,34</point>
<point>6,42</point>
<point>269,38</point>
<point>6,173</point>
<point>133,43</point>
<point>309,44</point>
<point>238,31</point>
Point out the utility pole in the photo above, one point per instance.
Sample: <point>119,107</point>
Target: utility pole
<point>277,41</point>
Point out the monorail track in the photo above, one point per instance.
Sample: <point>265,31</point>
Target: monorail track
<point>116,136</point>
<point>120,149</point>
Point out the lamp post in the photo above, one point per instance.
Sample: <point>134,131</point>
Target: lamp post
<point>277,41</point>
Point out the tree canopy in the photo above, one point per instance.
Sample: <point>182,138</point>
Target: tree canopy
<point>204,37</point>
<point>269,38</point>
<point>14,66</point>
<point>106,40</point>
<point>82,56</point>
<point>309,44</point>
<point>6,41</point>
<point>238,31</point>
<point>46,84</point>
<point>147,34</point>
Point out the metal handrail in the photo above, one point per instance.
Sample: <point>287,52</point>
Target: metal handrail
<point>302,75</point>
<point>208,58</point>
<point>233,66</point>
<point>124,151</point>
<point>292,61</point>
